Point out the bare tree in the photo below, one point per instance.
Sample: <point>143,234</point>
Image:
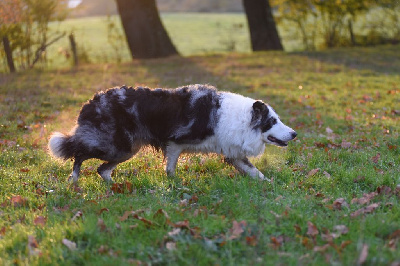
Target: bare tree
<point>263,33</point>
<point>144,30</point>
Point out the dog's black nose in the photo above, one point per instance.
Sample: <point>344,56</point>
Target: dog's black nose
<point>294,134</point>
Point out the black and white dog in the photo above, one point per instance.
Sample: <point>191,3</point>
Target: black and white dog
<point>115,124</point>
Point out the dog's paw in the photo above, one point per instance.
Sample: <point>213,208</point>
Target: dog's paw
<point>263,178</point>
<point>72,179</point>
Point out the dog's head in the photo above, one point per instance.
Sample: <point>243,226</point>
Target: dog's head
<point>272,129</point>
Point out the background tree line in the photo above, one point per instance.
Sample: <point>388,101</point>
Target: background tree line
<point>330,23</point>
<point>24,29</point>
<point>25,34</point>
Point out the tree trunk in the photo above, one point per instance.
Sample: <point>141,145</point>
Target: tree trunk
<point>263,33</point>
<point>144,30</point>
<point>8,51</point>
<point>73,48</point>
<point>351,32</point>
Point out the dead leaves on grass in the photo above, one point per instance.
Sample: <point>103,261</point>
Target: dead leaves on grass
<point>237,229</point>
<point>121,188</point>
<point>15,201</point>
<point>40,220</point>
<point>367,199</point>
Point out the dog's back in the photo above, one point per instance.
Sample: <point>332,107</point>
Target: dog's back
<point>113,125</point>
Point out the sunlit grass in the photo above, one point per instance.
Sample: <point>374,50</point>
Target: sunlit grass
<point>343,104</point>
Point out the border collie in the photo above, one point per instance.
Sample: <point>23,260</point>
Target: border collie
<point>115,124</point>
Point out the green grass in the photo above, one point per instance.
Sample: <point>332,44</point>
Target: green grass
<point>343,103</point>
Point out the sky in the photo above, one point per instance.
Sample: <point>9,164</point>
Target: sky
<point>73,3</point>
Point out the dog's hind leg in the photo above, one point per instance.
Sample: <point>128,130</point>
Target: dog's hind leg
<point>75,170</point>
<point>172,153</point>
<point>106,169</point>
<point>244,166</point>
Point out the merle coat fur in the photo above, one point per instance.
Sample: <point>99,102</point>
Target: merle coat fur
<point>115,124</point>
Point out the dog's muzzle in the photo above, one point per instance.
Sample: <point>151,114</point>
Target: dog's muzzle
<point>281,142</point>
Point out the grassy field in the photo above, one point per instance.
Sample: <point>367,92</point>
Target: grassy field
<point>191,33</point>
<point>334,200</point>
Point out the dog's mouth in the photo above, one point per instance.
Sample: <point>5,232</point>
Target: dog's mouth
<point>277,141</point>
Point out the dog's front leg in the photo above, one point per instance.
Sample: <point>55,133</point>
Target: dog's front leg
<point>244,166</point>
<point>172,153</point>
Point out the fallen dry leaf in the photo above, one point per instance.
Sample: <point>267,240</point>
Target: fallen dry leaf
<point>77,215</point>
<point>327,175</point>
<point>18,201</point>
<point>103,249</point>
<point>368,209</point>
<point>338,203</point>
<point>3,231</point>
<point>237,229</point>
<point>393,240</point>
<point>133,226</point>
<point>122,187</point>
<point>33,246</point>
<point>297,228</point>
<point>376,158</point>
<point>40,220</point>
<point>102,210</point>
<point>76,188</point>
<point>395,234</point>
<point>170,245</point>
<point>342,229</point>
<point>345,144</point>
<point>69,244</point>
<point>162,213</point>
<point>32,242</point>
<point>129,213</point>
<point>101,225</point>
<point>144,220</point>
<point>344,244</point>
<point>174,232</point>
<point>321,248</point>
<point>278,198</point>
<point>183,203</point>
<point>251,240</point>
<point>181,224</point>
<point>276,242</point>
<point>312,229</point>
<point>305,241</point>
<point>363,255</point>
<point>313,172</point>
<point>384,190</point>
<point>365,199</point>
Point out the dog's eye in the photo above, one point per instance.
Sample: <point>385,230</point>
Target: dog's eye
<point>268,124</point>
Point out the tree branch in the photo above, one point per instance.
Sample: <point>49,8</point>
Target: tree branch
<point>43,47</point>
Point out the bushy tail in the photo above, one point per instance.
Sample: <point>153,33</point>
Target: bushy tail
<point>61,146</point>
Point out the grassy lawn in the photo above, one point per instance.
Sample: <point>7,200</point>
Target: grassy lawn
<point>191,33</point>
<point>334,200</point>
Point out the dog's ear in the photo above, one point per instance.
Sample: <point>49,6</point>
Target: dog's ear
<point>258,109</point>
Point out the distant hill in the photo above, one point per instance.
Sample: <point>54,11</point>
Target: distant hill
<point>108,7</point>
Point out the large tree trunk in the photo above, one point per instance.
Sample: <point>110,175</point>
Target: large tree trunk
<point>263,33</point>
<point>8,51</point>
<point>144,30</point>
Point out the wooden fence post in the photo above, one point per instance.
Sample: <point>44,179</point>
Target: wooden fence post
<point>73,48</point>
<point>7,49</point>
